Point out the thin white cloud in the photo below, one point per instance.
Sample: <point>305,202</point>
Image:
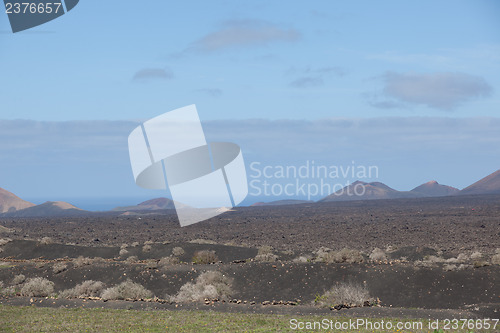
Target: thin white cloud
<point>444,91</point>
<point>242,33</point>
<point>149,74</point>
<point>313,77</point>
<point>214,92</point>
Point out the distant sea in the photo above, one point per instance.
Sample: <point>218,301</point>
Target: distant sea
<point>108,203</point>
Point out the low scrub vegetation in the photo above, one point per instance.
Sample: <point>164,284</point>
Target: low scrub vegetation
<point>131,259</point>
<point>18,279</point>
<point>177,251</point>
<point>205,257</point>
<point>167,261</point>
<point>87,288</point>
<point>46,241</point>
<point>152,264</point>
<point>82,261</point>
<point>208,285</point>
<point>59,267</point>
<point>346,294</point>
<point>302,259</point>
<point>495,260</point>
<point>265,254</point>
<point>127,290</point>
<point>378,255</point>
<point>343,256</point>
<point>37,287</point>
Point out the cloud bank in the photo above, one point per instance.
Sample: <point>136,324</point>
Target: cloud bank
<point>444,91</point>
<point>88,158</point>
<point>242,33</point>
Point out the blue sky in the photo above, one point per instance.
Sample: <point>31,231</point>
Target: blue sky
<point>242,60</point>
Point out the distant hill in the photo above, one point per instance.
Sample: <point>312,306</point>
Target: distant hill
<point>368,191</point>
<point>9,202</point>
<point>49,208</point>
<point>434,189</point>
<point>281,202</point>
<point>153,204</point>
<point>488,185</point>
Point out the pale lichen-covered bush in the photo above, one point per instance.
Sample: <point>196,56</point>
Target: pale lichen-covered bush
<point>350,294</point>
<point>127,290</point>
<point>324,254</point>
<point>211,285</point>
<point>37,287</point>
<point>302,259</point>
<point>59,267</point>
<point>476,255</point>
<point>495,260</point>
<point>205,257</point>
<point>321,254</point>
<point>177,251</point>
<point>378,255</point>
<point>167,261</point>
<point>131,259</point>
<point>87,288</point>
<point>266,249</point>
<point>82,261</point>
<point>151,264</point>
<point>46,241</point>
<point>345,255</point>
<point>18,279</point>
<point>265,254</point>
